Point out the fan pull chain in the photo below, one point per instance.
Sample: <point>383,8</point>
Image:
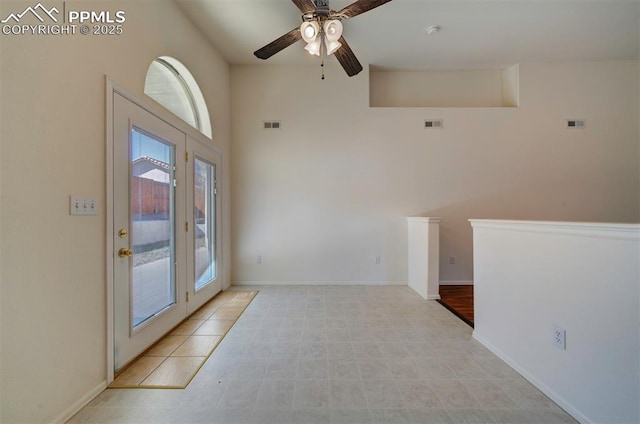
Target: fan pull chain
<point>322,52</point>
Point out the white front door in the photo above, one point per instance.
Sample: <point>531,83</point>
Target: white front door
<point>149,286</point>
<point>166,211</point>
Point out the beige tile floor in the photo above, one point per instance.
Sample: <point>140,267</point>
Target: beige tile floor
<point>340,355</point>
<point>175,359</point>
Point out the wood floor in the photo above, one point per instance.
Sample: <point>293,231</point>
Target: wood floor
<point>459,300</point>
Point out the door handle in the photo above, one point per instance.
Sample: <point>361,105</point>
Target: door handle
<point>125,253</point>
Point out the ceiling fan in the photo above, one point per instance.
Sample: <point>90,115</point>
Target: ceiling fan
<point>321,29</point>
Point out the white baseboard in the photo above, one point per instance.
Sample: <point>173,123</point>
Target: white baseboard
<point>569,409</point>
<point>456,283</point>
<point>318,283</point>
<point>81,403</point>
<point>433,297</point>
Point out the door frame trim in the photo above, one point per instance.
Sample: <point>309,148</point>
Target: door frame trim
<point>112,88</point>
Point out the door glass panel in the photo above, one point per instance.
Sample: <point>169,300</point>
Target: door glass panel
<point>204,217</point>
<point>152,229</point>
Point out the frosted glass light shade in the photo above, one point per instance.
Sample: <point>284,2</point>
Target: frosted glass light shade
<point>314,46</point>
<point>333,30</point>
<point>309,31</point>
<point>332,46</point>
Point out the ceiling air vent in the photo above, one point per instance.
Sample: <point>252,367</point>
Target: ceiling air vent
<point>575,123</point>
<point>274,125</point>
<point>433,123</point>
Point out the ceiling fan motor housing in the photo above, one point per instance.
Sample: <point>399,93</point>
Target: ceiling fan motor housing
<point>322,8</point>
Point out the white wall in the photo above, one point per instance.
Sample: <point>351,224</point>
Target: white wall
<point>53,283</point>
<point>532,276</point>
<point>320,198</point>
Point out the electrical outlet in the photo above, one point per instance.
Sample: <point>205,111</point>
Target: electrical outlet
<point>259,260</point>
<point>378,261</point>
<point>560,337</point>
<point>452,260</point>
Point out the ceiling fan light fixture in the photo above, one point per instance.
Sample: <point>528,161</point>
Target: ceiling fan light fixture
<point>333,30</point>
<point>309,31</point>
<point>314,46</point>
<point>321,29</point>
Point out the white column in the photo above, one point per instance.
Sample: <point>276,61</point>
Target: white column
<point>424,256</point>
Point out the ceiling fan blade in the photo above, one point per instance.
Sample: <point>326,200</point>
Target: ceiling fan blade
<point>361,6</point>
<point>279,44</point>
<point>305,6</point>
<point>347,59</point>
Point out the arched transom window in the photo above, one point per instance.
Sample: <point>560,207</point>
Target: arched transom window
<point>170,83</point>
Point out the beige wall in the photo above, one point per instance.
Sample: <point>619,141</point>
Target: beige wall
<point>53,284</point>
<point>447,88</point>
<point>320,198</point>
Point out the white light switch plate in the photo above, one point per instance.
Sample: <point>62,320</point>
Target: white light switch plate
<point>83,205</point>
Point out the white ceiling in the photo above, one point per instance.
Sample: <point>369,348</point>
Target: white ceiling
<point>475,33</point>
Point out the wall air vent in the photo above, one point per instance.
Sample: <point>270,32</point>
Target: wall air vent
<point>273,125</point>
<point>575,123</point>
<point>433,124</point>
